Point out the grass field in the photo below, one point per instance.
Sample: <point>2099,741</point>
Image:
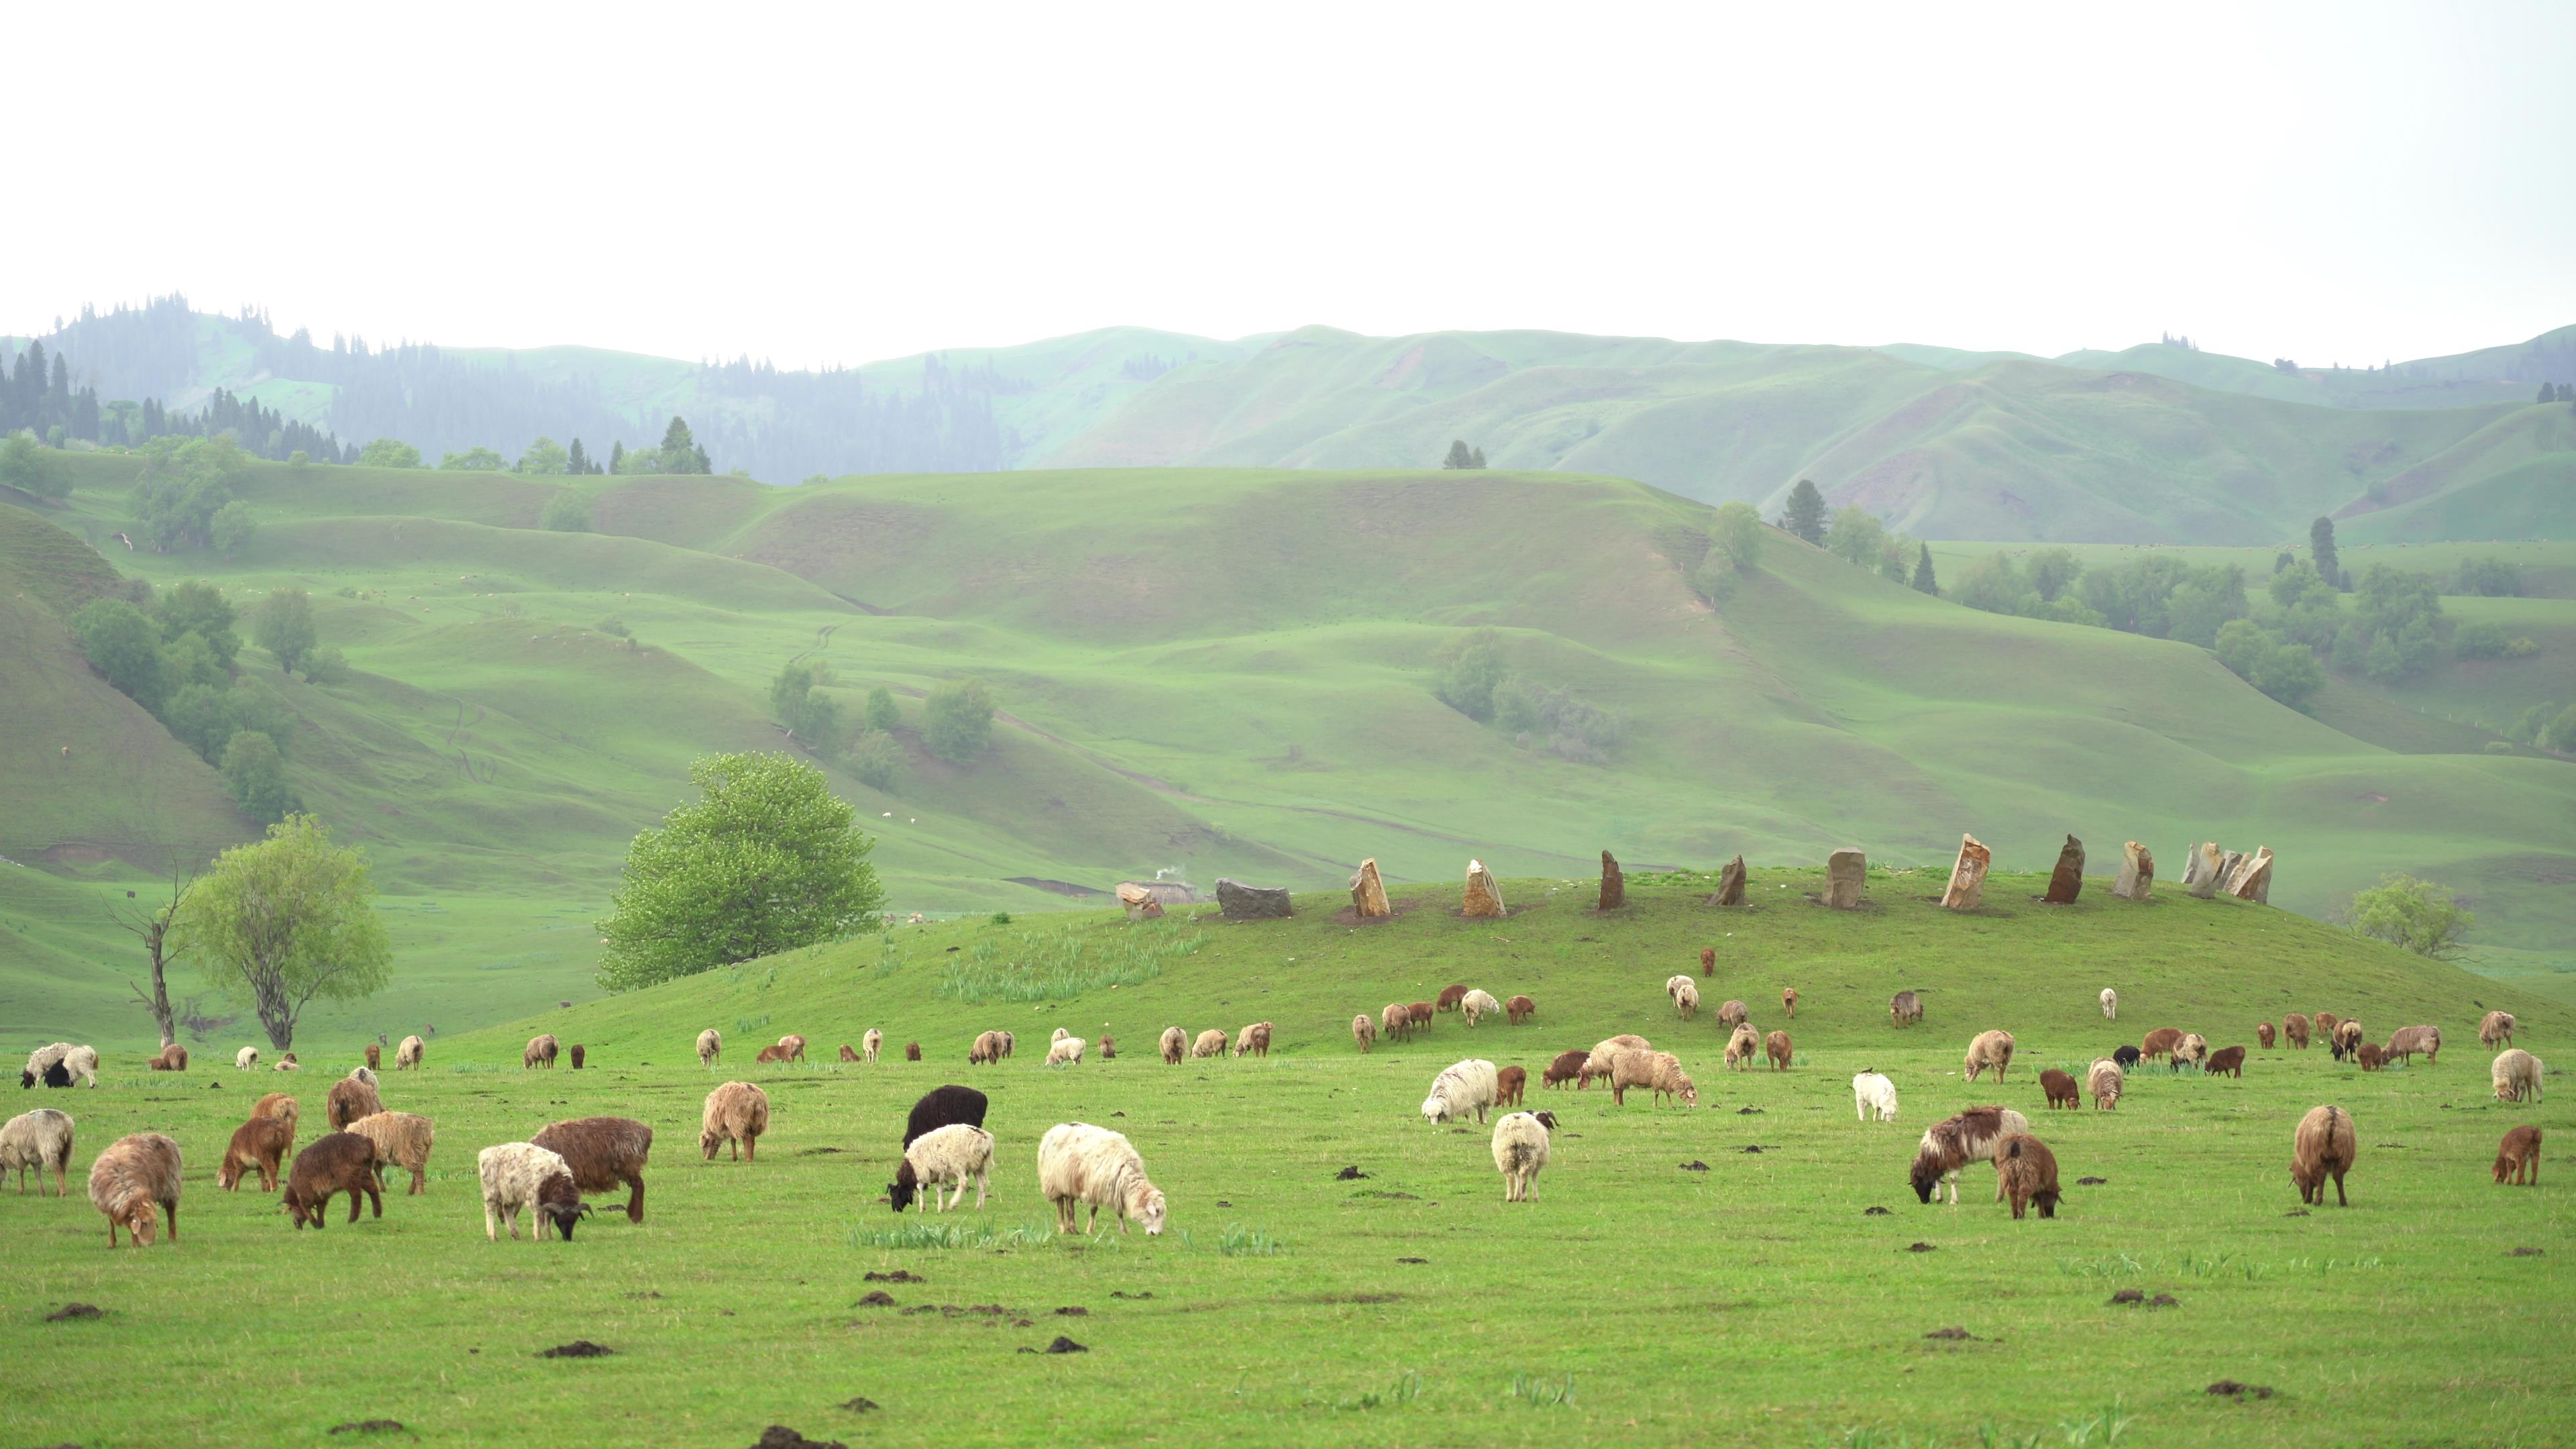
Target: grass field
<point>1761,1301</point>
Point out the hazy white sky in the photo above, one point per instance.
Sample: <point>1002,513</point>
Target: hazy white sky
<point>835,184</point>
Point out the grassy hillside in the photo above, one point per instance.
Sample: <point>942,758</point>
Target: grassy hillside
<point>1337,1271</point>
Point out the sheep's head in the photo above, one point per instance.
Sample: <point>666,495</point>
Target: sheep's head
<point>900,1192</point>
<point>228,1175</point>
<point>563,1217</point>
<point>1148,1208</point>
<point>1435,1109</point>
<point>1546,1120</point>
<point>707,1142</point>
<point>293,1205</point>
<point>143,1223</point>
<point>1688,1093</point>
<point>26,1080</point>
<point>1927,1178</point>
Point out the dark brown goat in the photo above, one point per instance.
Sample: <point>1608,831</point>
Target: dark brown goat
<point>2227,1062</point>
<point>2519,1151</point>
<point>603,1152</point>
<point>912,1051</point>
<point>1508,1083</point>
<point>577,1053</point>
<point>2160,1042</point>
<point>1568,1067</point>
<point>1519,1009</point>
<point>259,1144</point>
<point>2263,1035</point>
<point>1452,995</point>
<point>336,1162</point>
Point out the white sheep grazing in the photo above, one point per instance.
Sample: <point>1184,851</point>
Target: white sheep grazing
<point>82,1062</point>
<point>956,1153</point>
<point>710,1047</point>
<point>246,1058</point>
<point>1685,995</point>
<point>1520,1150</point>
<point>1479,1003</point>
<point>1079,1163</point>
<point>519,1175</point>
<point>362,1074</point>
<point>1874,1097</point>
<point>1065,1051</point>
<point>873,1042</point>
<point>1466,1087</point>
<point>1060,1034</point>
<point>407,1056</point>
<point>43,1059</point>
<point>38,1139</point>
<point>2110,1004</point>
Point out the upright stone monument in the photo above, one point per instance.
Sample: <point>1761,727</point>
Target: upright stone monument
<point>1730,884</point>
<point>1483,898</point>
<point>1614,886</point>
<point>2254,881</point>
<point>2202,874</point>
<point>1845,869</point>
<point>1968,876</point>
<point>2137,879</point>
<point>1368,893</point>
<point>2067,881</point>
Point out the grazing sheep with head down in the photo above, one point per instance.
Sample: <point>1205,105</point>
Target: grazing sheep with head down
<point>2371,1055</point>
<point>363,1074</point>
<point>2327,1021</point>
<point>1478,1005</point>
<point>735,1115</point>
<point>350,1100</point>
<point>1079,1163</point>
<point>602,1153</point>
<point>1685,995</point>
<point>1508,1085</point>
<point>2406,1041</point>
<point>38,1139</point>
<point>1659,1072</point>
<point>2160,1042</point>
<point>710,1046</point>
<point>941,1107</point>
<point>1734,1014</point>
<point>2516,1076</point>
<point>793,1045</point>
<point>1419,1015</point>
<point>1708,960</point>
<point>135,1175</point>
<point>1874,1097</point>
<point>2518,1154</point>
<point>1468,1086</point>
<point>174,1058</point>
<point>336,1162</point>
<point>246,1058</point>
<point>768,1055</point>
<point>956,1153</point>
<point>871,1044</point>
<point>1211,1043</point>
<point>1789,1002</point>
<point>1905,1009</point>
<point>578,1053</point>
<point>407,1056</point>
<point>1108,1048</point>
<point>1990,1049</point>
<point>1010,1043</point>
<point>2226,1062</point>
<point>2191,1051</point>
<point>1568,1067</point>
<point>2110,1004</point>
<point>1519,1009</point>
<point>42,1061</point>
<point>2294,1029</point>
<point>1452,996</point>
<point>2026,1174</point>
<point>1060,1034</point>
<point>1520,1151</point>
<point>1253,1040</point>
<point>1597,1062</point>
<point>2263,1035</point>
<point>2325,1147</point>
<point>1363,1032</point>
<point>259,1145</point>
<point>1396,1022</point>
<point>402,1140</point>
<point>2126,1056</point>
<point>848,1054</point>
<point>1777,1047</point>
<point>1176,1041</point>
<point>1065,1052</point>
<point>1954,1142</point>
<point>2496,1029</point>
<point>1742,1048</point>
<point>540,1052</point>
<point>2104,1083</point>
<point>277,1104</point>
<point>523,1176</point>
<point>2060,1089</point>
<point>986,1050</point>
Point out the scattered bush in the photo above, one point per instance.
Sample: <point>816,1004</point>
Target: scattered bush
<point>876,761</point>
<point>1471,664</point>
<point>566,512</point>
<point>957,723</point>
<point>2491,578</point>
<point>2286,672</point>
<point>2412,915</point>
<point>389,453</point>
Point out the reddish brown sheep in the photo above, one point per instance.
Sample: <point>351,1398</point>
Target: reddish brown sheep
<point>2160,1042</point>
<point>776,1054</point>
<point>132,1177</point>
<point>350,1100</point>
<point>912,1051</point>
<point>1905,1009</point>
<point>1508,1083</point>
<point>847,1055</point>
<point>1418,1015</point>
<point>2327,1021</point>
<point>375,1057</point>
<point>2026,1175</point>
<point>336,1162</point>
<point>1734,1014</point>
<point>2263,1035</point>
<point>1108,1048</point>
<point>1452,995</point>
<point>2324,1148</point>
<point>793,1046</point>
<point>1708,960</point>
<point>2371,1056</point>
<point>1776,1046</point>
<point>602,1153</point>
<point>172,1058</point>
<point>259,1145</point>
<point>1568,1067</point>
<point>577,1053</point>
<point>2518,1153</point>
<point>277,1104</point>
<point>1789,1001</point>
<point>2226,1062</point>
<point>2061,1089</point>
<point>2294,1028</point>
<point>1519,1010</point>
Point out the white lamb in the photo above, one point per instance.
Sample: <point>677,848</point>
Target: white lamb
<point>710,1047</point>
<point>1685,995</point>
<point>1079,1163</point>
<point>1060,1034</point>
<point>82,1062</point>
<point>956,1153</point>
<point>1065,1051</point>
<point>1520,1150</point>
<point>246,1058</point>
<point>1479,1003</point>
<point>2110,1004</point>
<point>1874,1097</point>
<point>38,1139</point>
<point>44,1059</point>
<point>522,1175</point>
<point>872,1043</point>
<point>362,1074</point>
<point>1467,1087</point>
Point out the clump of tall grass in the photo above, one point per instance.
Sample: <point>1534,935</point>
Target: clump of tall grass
<point>1405,1391</point>
<point>952,1235</point>
<point>1542,1392</point>
<point>746,1025</point>
<point>1061,965</point>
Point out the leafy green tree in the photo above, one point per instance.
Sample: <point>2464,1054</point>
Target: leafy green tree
<point>1471,664</point>
<point>545,457</point>
<point>2412,915</point>
<point>2480,639</point>
<point>636,462</point>
<point>123,646</point>
<point>2052,571</point>
<point>2203,601</point>
<point>474,460</point>
<point>183,485</point>
<point>2321,552</point>
<point>1856,537</point>
<point>882,714</point>
<point>2559,734</point>
<point>326,665</point>
<point>811,718</point>
<point>1925,581</point>
<point>286,920</point>
<point>768,860</point>
<point>283,625</point>
<point>197,607</point>
<point>189,659</point>
<point>256,774</point>
<point>232,527</point>
<point>389,453</point>
<point>680,452</point>
<point>2548,393</point>
<point>1805,514</point>
<point>877,760</point>
<point>957,720</point>
<point>1462,456</point>
<point>1735,530</point>
<point>23,466</point>
<point>2490,577</point>
<point>567,512</point>
<point>2286,672</point>
<point>1993,583</point>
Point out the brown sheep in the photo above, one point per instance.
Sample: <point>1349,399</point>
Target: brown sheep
<point>402,1140</point>
<point>336,1162</point>
<point>794,1047</point>
<point>848,1055</point>
<point>2061,1089</point>
<point>1708,960</point>
<point>1254,1039</point>
<point>912,1051</point>
<point>1776,1046</point>
<point>1519,1009</point>
<point>603,1152</point>
<point>1176,1042</point>
<point>1990,1049</point>
<point>2346,1039</point>
<point>769,1054</point>
<point>577,1054</point>
<point>540,1052</point>
<point>1734,1014</point>
<point>2160,1042</point>
<point>172,1058</point>
<point>2324,1148</point>
<point>277,1104</point>
<point>1508,1083</point>
<point>1211,1043</point>
<point>1363,1032</point>
<point>2263,1035</point>
<point>2327,1021</point>
<point>350,1100</point>
<point>1905,1009</point>
<point>1451,996</point>
<point>736,1114</point>
<point>1789,1001</point>
<point>2408,1040</point>
<point>986,1050</point>
<point>1742,1048</point>
<point>2226,1062</point>
<point>2371,1055</point>
<point>1568,1067</point>
<point>132,1177</point>
<point>1419,1014</point>
<point>2518,1153</point>
<point>1395,1023</point>
<point>2495,1030</point>
<point>1009,1043</point>
<point>2294,1028</point>
<point>2026,1175</point>
<point>259,1145</point>
<point>375,1057</point>
<point>1108,1048</point>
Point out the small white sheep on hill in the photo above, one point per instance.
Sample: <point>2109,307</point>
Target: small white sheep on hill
<point>1478,1004</point>
<point>957,1153</point>
<point>38,1139</point>
<point>1874,1097</point>
<point>1685,995</point>
<point>1064,1051</point>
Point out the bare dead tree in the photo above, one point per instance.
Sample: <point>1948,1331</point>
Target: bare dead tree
<point>153,928</point>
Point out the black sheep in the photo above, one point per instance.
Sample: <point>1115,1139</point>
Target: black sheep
<point>939,1107</point>
<point>2127,1057</point>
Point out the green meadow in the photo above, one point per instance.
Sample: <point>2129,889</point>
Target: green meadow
<point>1335,1270</point>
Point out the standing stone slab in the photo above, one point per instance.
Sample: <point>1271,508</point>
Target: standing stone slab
<point>2230,865</point>
<point>1730,884</point>
<point>1484,899</point>
<point>2067,881</point>
<point>1242,902</point>
<point>1968,876</point>
<point>1141,904</point>
<point>2254,881</point>
<point>2202,874</point>
<point>1368,893</point>
<point>2137,879</point>
<point>1845,869</point>
<point>1614,886</point>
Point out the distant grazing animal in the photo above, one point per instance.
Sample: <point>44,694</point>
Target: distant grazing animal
<point>1064,1052</point>
<point>1519,1009</point>
<point>2406,1041</point>
<point>986,1050</point>
<point>259,1145</point>
<point>2226,1062</point>
<point>1742,1048</point>
<point>1597,1062</point>
<point>246,1058</point>
<point>794,1046</point>
<point>1789,1002</point>
<point>710,1046</point>
<point>2346,1039</point>
<point>2519,1153</point>
<point>577,1054</point>
<point>1734,1014</point>
<point>174,1058</point>
<point>2263,1035</point>
<point>55,1065</point>
<point>1520,1152</point>
<point>130,1179</point>
<point>1685,995</point>
<point>1109,1048</point>
<point>956,1153</point>
<point>1082,1164</point>
<point>286,1062</point>
<point>2160,1042</point>
<point>1708,960</point>
<point>2324,1148</point>
<point>402,1140</point>
<point>2060,1088</point>
<point>2496,1029</point>
<point>912,1051</point>
<point>407,1055</point>
<point>733,1118</point>
<point>56,1075</point>
<point>1060,1034</point>
<point>602,1153</point>
<point>2126,1056</point>
<point>38,1139</point>
<point>848,1053</point>
<point>871,1044</point>
<point>2516,1076</point>
<point>1874,1097</point>
<point>1954,1142</point>
<point>1659,1072</point>
<point>336,1162</point>
<point>1255,1039</point>
<point>2294,1028</point>
<point>363,1074</point>
<point>1211,1043</point>
<point>521,1176</point>
<point>1508,1082</point>
<point>375,1057</point>
<point>82,1062</point>
<point>1363,1032</point>
<point>1468,1086</point>
<point>2104,1082</point>
<point>2110,1004</point>
<point>277,1104</point>
<point>1452,996</point>
<point>2192,1050</point>
<point>943,1107</point>
<point>2026,1175</point>
<point>1905,1009</point>
<point>1990,1049</point>
<point>1568,1067</point>
<point>348,1101</point>
<point>1175,1043</point>
<point>2327,1021</point>
<point>1776,1046</point>
<point>1420,1014</point>
<point>2371,1055</point>
<point>540,1051</point>
<point>1479,1004</point>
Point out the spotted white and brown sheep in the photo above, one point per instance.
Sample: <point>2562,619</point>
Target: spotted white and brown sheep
<point>521,1176</point>
<point>1685,995</point>
<point>1953,1142</point>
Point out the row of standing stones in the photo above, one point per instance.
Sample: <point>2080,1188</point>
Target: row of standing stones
<point>2209,872</point>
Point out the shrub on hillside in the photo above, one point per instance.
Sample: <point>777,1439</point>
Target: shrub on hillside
<point>957,720</point>
<point>2287,672</point>
<point>876,761</point>
<point>124,647</point>
<point>389,453</point>
<point>476,459</point>
<point>2491,578</point>
<point>545,458</point>
<point>567,512</point>
<point>1558,720</point>
<point>1471,664</point>
<point>256,774</point>
<point>326,666</point>
<point>283,625</point>
<point>2410,914</point>
<point>23,466</point>
<point>185,484</point>
<point>882,715</point>
<point>812,720</point>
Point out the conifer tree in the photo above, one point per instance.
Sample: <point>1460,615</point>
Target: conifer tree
<point>1805,515</point>
<point>1924,582</point>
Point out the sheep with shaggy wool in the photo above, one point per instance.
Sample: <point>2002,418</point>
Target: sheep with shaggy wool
<point>2026,1175</point>
<point>957,1153</point>
<point>1742,1048</point>
<point>1658,1072</point>
<point>2515,1075</point>
<point>540,1051</point>
<point>348,1101</point>
<point>1734,1014</point>
<point>2495,1029</point>
<point>794,1047</point>
<point>375,1058</point>
<point>246,1058</point>
<point>363,1074</point>
<point>2346,1040</point>
<point>1953,1142</point>
<point>2406,1041</point>
<point>1211,1043</point>
<point>1396,1021</point>
<point>287,1063</point>
<point>1520,1151</point>
<point>1468,1086</point>
<point>2104,1082</point>
<point>1991,1049</point>
<point>2263,1035</point>
<point>1175,1043</point>
<point>42,1061</point>
<point>1253,1040</point>
<point>2160,1042</point>
<point>1597,1063</point>
<point>2324,1147</point>
<point>171,1058</point>
<point>1568,1067</point>
<point>1081,1164</point>
<point>259,1145</point>
<point>38,1139</point>
<point>1782,1052</point>
<point>1478,1005</point>
<point>986,1050</point>
<point>2110,1004</point>
<point>603,1152</point>
<point>872,1043</point>
<point>1874,1096</point>
<point>336,1162</point>
<point>735,1116</point>
<point>1064,1052</point>
<point>135,1175</point>
<point>277,1104</point>
<point>2191,1051</point>
<point>402,1140</point>
<point>521,1176</point>
<point>407,1056</point>
<point>1685,995</point>
<point>710,1047</point>
<point>1363,1032</point>
<point>2294,1028</point>
<point>941,1106</point>
<point>82,1062</point>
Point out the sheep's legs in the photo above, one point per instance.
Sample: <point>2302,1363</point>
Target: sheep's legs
<point>979,1192</point>
<point>171,1206</point>
<point>635,1201</point>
